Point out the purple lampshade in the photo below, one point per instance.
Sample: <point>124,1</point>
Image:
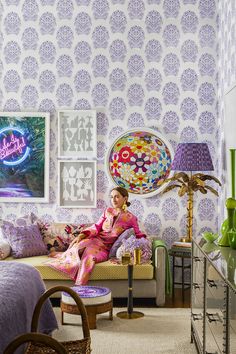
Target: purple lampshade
<point>192,157</point>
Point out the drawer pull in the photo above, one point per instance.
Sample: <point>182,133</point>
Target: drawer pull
<point>196,259</point>
<point>211,283</point>
<point>197,316</point>
<point>196,286</point>
<point>213,317</point>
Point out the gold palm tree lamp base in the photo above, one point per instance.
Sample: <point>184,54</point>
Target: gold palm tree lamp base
<point>191,157</point>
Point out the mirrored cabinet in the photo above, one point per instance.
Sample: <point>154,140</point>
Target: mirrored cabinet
<point>213,298</point>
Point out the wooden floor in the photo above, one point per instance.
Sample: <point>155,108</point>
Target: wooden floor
<point>176,302</point>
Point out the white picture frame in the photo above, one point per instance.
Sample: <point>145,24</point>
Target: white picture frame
<point>24,157</point>
<point>77,183</point>
<point>77,134</point>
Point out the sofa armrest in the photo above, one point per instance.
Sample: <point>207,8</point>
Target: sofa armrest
<point>159,263</point>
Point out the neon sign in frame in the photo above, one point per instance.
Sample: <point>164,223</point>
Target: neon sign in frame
<point>24,157</point>
<point>13,147</point>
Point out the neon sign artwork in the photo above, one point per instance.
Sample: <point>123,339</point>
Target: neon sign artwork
<point>13,146</point>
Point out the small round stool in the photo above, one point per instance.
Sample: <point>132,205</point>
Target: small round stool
<point>96,300</point>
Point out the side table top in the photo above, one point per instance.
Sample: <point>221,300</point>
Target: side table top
<point>180,251</point>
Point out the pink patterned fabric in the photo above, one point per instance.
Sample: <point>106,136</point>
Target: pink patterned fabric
<point>79,260</point>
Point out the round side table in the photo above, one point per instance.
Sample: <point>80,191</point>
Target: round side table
<point>95,298</point>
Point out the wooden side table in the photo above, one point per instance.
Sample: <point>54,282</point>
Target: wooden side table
<point>92,312</point>
<point>96,300</point>
<point>184,254</point>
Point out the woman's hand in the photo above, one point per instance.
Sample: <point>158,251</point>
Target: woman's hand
<point>52,254</point>
<point>77,239</point>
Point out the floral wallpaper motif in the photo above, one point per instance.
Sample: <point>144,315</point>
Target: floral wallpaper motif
<point>139,63</point>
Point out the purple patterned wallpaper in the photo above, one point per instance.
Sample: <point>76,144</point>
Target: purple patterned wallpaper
<point>149,63</point>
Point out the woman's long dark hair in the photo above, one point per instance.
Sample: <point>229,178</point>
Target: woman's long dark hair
<point>123,192</point>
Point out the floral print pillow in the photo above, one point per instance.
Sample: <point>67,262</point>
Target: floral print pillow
<point>58,236</point>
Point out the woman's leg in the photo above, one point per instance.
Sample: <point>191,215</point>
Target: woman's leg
<point>91,255</point>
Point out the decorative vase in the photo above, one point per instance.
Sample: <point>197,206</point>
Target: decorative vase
<point>231,267</point>
<point>209,247</point>
<point>232,238</point>
<point>227,226</point>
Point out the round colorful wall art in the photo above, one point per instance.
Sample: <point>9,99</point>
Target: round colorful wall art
<point>140,161</point>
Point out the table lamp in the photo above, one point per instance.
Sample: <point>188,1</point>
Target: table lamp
<point>191,157</point>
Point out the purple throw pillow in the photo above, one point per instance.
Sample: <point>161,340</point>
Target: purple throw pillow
<point>26,241</point>
<point>123,236</point>
<point>21,221</point>
<point>131,243</point>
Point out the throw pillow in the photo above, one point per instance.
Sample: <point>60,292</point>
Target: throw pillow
<point>5,249</point>
<point>58,236</point>
<point>131,243</point>
<point>123,236</point>
<point>21,221</point>
<point>26,241</point>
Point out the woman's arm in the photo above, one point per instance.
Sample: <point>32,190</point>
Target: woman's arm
<point>90,231</point>
<point>77,239</point>
<point>94,230</point>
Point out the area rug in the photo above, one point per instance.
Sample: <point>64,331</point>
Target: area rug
<point>161,330</point>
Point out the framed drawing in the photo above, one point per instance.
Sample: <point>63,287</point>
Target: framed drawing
<point>77,184</point>
<point>77,134</point>
<point>24,157</point>
<point>140,160</point>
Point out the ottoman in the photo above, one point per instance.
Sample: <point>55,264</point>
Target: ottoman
<point>96,300</point>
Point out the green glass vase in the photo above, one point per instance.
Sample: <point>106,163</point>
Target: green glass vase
<point>231,267</point>
<point>227,226</point>
<point>232,239</point>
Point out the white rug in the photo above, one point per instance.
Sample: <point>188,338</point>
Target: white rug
<point>161,330</point>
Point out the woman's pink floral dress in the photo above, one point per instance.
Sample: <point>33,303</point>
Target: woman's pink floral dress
<point>79,260</point>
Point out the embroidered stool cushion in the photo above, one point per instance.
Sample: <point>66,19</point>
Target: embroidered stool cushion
<point>90,295</point>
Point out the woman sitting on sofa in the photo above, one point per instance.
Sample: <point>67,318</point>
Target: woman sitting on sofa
<point>94,243</point>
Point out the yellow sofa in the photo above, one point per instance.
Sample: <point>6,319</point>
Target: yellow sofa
<point>149,280</point>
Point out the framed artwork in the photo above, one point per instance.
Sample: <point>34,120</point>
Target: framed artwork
<point>77,134</point>
<point>77,183</point>
<point>24,157</point>
<point>140,160</point>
